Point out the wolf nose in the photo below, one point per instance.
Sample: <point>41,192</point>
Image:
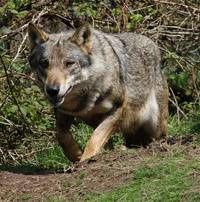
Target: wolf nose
<point>52,91</point>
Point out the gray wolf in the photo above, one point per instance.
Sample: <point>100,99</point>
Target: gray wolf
<point>111,81</point>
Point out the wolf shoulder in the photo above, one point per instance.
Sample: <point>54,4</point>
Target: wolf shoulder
<point>134,44</point>
<point>139,44</point>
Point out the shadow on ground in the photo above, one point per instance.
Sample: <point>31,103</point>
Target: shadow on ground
<point>28,169</point>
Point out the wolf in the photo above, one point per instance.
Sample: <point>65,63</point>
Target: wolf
<point>113,82</point>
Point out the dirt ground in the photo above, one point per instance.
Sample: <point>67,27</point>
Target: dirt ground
<point>103,173</point>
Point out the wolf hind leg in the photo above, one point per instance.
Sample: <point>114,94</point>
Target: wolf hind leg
<point>148,131</point>
<point>163,115</point>
<point>142,136</point>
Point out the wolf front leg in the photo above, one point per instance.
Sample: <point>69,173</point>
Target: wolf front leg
<point>101,135</point>
<point>65,139</point>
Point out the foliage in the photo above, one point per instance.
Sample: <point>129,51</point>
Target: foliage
<point>14,9</point>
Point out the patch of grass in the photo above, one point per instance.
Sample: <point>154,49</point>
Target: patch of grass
<point>184,126</point>
<point>81,133</point>
<point>52,158</point>
<point>159,179</point>
<point>24,197</point>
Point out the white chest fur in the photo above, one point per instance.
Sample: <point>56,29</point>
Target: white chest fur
<point>150,110</point>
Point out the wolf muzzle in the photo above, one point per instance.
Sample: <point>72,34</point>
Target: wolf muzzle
<point>56,93</point>
<point>52,91</point>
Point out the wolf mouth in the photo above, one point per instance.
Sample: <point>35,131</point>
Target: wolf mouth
<point>57,101</point>
<point>67,91</point>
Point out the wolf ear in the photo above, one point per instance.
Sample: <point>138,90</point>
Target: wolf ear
<point>36,36</point>
<point>83,38</point>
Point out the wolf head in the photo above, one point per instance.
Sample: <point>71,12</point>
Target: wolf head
<point>60,61</point>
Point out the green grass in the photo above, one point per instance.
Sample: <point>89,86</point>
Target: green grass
<point>160,179</point>
<point>24,197</point>
<point>47,154</point>
<point>81,133</point>
<point>53,158</point>
<point>184,126</point>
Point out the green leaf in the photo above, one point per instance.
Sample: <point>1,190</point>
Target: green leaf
<point>13,109</point>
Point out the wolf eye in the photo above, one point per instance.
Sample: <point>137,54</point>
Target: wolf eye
<point>44,63</point>
<point>69,63</point>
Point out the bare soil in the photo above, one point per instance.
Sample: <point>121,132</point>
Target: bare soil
<point>103,173</point>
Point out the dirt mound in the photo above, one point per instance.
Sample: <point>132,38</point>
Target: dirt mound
<point>103,173</point>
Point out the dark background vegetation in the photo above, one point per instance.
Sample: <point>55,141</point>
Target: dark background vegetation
<point>26,119</point>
